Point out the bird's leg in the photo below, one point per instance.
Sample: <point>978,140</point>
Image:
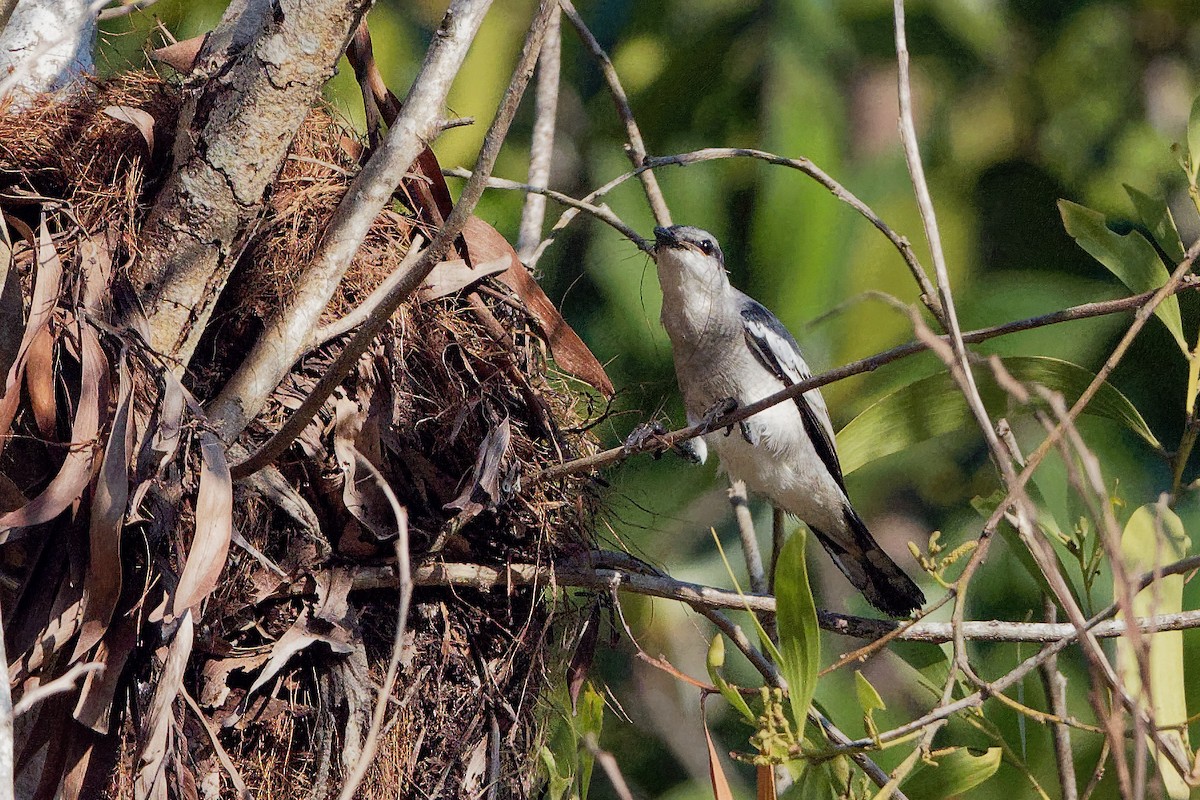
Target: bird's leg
<point>719,409</point>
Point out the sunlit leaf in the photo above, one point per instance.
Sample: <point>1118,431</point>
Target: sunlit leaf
<point>1193,138</point>
<point>933,406</point>
<point>956,773</point>
<point>716,660</point>
<point>796,618</point>
<point>1129,257</point>
<point>1156,216</point>
<point>1153,537</point>
<point>868,696</point>
<point>589,720</point>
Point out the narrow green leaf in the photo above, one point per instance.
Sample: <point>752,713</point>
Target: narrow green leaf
<point>589,721</point>
<point>1153,537</point>
<point>1130,257</point>
<point>1156,216</point>
<point>933,406</point>
<point>557,784</point>
<point>716,660</point>
<point>1193,139</point>
<point>796,619</point>
<point>868,696</point>
<point>956,773</point>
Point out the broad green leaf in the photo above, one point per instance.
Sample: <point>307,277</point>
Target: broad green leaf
<point>868,696</point>
<point>1153,537</point>
<point>1130,257</point>
<point>589,722</point>
<point>716,660</point>
<point>796,619</point>
<point>933,406</point>
<point>1193,139</point>
<point>1156,216</point>
<point>956,773</point>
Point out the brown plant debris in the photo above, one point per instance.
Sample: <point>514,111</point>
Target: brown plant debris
<point>236,653</point>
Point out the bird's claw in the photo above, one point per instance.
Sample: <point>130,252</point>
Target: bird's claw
<point>646,437</point>
<point>717,410</point>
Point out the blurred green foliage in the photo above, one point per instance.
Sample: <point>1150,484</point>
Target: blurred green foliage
<point>1020,103</point>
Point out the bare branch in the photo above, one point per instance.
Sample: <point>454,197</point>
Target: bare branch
<point>288,333</point>
<point>404,287</point>
<point>636,149</point>
<point>541,149</point>
<point>648,581</point>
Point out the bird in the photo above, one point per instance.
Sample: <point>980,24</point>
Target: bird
<point>729,351</point>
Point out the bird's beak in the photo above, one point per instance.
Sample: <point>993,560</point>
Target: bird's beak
<point>665,237</point>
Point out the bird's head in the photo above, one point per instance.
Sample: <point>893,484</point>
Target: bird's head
<point>685,254</point>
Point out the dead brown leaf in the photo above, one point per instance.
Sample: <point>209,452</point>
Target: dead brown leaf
<point>214,527</point>
<point>483,487</point>
<point>138,119</point>
<point>152,758</point>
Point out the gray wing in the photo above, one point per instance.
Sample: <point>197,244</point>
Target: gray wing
<point>776,349</point>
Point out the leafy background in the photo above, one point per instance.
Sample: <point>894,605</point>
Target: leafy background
<point>1020,103</point>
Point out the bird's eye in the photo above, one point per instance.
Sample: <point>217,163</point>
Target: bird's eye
<point>706,247</point>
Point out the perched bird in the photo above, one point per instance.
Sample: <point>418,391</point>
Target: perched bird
<point>730,350</point>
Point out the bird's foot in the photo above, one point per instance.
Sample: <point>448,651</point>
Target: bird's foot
<point>646,438</point>
<point>720,409</point>
<point>708,421</point>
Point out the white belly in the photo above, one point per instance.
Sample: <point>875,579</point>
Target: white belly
<point>781,463</point>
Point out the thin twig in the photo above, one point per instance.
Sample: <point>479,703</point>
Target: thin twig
<point>1085,311</point>
<point>541,148</point>
<point>366,333</point>
<point>739,499</point>
<point>1055,684</point>
<point>370,306</point>
<point>602,213</point>
<point>63,683</point>
<point>125,8</point>
<point>405,582</point>
<point>636,150</point>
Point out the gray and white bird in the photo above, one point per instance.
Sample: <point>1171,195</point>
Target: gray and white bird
<point>730,350</point>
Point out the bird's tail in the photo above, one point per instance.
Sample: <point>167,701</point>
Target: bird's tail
<point>872,571</point>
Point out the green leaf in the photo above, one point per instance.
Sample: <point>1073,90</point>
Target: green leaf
<point>796,619</point>
<point>816,782</point>
<point>1193,138</point>
<point>1156,216</point>
<point>589,722</point>
<point>557,784</point>
<point>933,406</point>
<point>1154,537</point>
<point>868,697</point>
<point>1130,257</point>
<point>956,773</point>
<point>716,660</point>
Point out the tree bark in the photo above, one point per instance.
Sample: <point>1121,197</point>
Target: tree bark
<point>255,80</point>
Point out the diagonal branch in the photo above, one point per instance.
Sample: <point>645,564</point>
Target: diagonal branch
<point>636,149</point>
<point>1085,311</point>
<point>286,335</point>
<point>406,285</point>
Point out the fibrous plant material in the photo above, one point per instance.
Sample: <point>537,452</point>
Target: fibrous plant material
<point>237,652</point>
